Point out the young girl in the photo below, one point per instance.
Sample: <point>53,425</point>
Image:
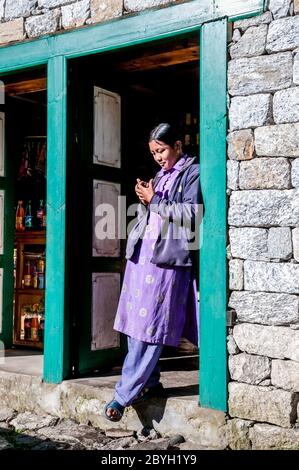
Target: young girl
<point>158,303</point>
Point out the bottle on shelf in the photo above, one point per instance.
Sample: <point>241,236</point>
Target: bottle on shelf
<point>41,327</point>
<point>41,215</point>
<point>22,323</point>
<point>34,328</point>
<point>20,215</point>
<point>41,266</point>
<point>28,217</point>
<point>15,267</point>
<point>27,276</point>
<point>27,326</point>
<point>35,277</point>
<point>41,280</point>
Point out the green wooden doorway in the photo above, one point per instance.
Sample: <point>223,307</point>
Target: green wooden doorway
<point>54,51</point>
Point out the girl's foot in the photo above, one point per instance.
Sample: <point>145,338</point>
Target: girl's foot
<point>114,411</point>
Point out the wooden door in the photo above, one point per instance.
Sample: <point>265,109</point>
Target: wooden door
<point>6,241</point>
<point>97,253</point>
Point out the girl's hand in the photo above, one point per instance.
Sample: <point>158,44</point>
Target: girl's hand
<point>144,190</point>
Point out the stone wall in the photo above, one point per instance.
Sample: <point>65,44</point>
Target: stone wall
<point>263,189</point>
<point>263,218</point>
<point>21,19</point>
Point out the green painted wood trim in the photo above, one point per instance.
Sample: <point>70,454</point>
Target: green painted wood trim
<point>55,352</point>
<point>253,10</point>
<point>126,31</point>
<point>131,30</point>
<point>213,78</point>
<point>6,260</point>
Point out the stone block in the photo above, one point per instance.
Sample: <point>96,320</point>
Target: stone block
<point>265,173</point>
<point>264,208</point>
<point>240,145</point>
<point>279,8</point>
<point>232,347</point>
<point>296,69</point>
<point>75,15</point>
<point>252,43</point>
<point>265,18</point>
<point>286,105</point>
<point>250,111</point>
<point>102,10</point>
<point>278,342</point>
<point>232,167</point>
<point>295,173</point>
<point>43,24</point>
<point>248,368</point>
<point>265,308</point>
<point>283,35</point>
<point>12,31</point>
<point>296,7</point>
<point>267,437</point>
<point>16,9</point>
<point>280,243</point>
<point>262,404</point>
<point>236,280</point>
<point>262,74</point>
<point>238,434</point>
<point>249,243</point>
<point>295,238</point>
<point>271,277</point>
<point>285,375</point>
<point>281,140</point>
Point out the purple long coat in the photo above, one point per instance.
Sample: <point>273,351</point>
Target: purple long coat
<point>158,305</point>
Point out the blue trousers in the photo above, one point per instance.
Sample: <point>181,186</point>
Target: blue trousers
<point>139,370</point>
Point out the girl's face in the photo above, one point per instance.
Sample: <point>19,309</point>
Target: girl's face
<point>165,155</point>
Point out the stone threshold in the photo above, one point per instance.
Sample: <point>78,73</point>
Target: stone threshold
<point>83,400</point>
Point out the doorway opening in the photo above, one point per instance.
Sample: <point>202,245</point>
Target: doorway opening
<point>25,115</point>
<point>134,88</point>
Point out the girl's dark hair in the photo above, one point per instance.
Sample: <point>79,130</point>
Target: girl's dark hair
<point>166,133</point>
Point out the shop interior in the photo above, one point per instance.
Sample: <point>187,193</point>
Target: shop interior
<point>157,83</point>
<point>25,112</point>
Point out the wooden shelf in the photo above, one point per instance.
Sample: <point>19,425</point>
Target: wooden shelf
<point>31,236</point>
<point>30,291</point>
<point>29,342</point>
<point>27,295</point>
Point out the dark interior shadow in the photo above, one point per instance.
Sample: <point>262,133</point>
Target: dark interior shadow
<point>183,391</point>
<point>154,408</point>
<point>21,352</point>
<point>179,363</point>
<point>150,411</point>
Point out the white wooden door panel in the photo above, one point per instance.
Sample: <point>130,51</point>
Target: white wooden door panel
<point>105,294</point>
<point>107,136</point>
<point>105,219</point>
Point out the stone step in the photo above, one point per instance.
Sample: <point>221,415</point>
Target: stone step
<point>83,401</point>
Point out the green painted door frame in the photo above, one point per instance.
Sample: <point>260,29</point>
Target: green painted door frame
<point>155,24</point>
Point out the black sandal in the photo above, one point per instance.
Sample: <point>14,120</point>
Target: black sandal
<point>115,406</point>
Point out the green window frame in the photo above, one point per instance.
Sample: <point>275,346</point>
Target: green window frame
<point>209,18</point>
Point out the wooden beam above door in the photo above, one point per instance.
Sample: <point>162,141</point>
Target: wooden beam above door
<point>26,86</point>
<point>180,54</point>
